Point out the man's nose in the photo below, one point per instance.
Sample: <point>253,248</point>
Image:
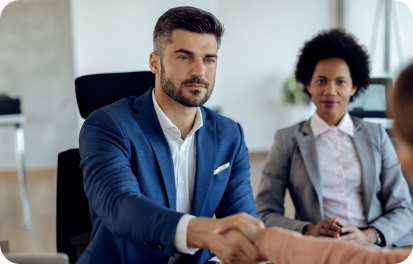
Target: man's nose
<point>198,68</point>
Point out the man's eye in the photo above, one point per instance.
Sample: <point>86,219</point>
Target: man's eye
<point>210,60</point>
<point>341,82</point>
<point>184,57</point>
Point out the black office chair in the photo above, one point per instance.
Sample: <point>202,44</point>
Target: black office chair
<point>73,227</point>
<point>97,90</point>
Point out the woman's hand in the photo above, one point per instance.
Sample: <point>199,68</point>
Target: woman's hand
<point>249,226</point>
<point>325,228</point>
<point>354,234</point>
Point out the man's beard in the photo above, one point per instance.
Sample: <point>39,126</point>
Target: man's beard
<point>178,94</point>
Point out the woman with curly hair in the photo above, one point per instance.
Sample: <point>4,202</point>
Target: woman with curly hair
<point>342,173</point>
<point>284,246</point>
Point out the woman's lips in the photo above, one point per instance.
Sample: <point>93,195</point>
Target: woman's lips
<point>329,103</point>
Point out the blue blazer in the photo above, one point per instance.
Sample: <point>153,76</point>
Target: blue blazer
<point>130,184</point>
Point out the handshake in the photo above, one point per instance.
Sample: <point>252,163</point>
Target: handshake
<point>233,239</point>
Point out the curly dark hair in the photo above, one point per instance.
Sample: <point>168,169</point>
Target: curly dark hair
<point>334,43</point>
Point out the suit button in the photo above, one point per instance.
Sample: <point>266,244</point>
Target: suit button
<point>160,247</point>
<point>145,243</point>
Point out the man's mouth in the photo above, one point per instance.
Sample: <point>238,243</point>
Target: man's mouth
<point>196,83</point>
<point>196,86</point>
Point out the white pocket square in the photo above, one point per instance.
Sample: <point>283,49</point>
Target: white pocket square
<point>221,168</point>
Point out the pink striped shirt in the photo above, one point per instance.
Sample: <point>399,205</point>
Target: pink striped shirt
<point>340,171</point>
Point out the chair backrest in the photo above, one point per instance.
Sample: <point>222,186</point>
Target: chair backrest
<point>97,90</point>
<point>73,226</point>
<point>372,103</point>
<point>72,209</point>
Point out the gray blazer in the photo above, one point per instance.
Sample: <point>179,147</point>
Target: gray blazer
<point>292,163</point>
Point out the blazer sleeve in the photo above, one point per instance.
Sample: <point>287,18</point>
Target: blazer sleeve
<point>396,220</point>
<point>238,196</point>
<point>283,246</point>
<point>112,188</point>
<point>274,182</point>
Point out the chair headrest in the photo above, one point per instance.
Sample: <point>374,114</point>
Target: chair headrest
<point>98,90</point>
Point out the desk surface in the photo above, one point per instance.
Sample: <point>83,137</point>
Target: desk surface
<point>11,120</point>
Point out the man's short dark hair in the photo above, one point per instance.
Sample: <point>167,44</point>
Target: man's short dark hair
<point>334,43</point>
<point>186,18</point>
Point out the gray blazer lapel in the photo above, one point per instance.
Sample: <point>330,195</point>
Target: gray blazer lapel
<point>364,149</point>
<point>308,148</point>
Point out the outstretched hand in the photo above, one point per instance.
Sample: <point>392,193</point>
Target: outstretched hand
<point>231,245</point>
<point>250,227</point>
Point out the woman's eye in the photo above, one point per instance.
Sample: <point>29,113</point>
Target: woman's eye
<point>341,82</point>
<point>320,81</point>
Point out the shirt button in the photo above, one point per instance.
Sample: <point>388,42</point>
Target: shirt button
<point>181,181</point>
<point>183,148</point>
<point>176,131</point>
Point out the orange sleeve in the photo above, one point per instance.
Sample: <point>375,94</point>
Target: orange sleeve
<point>287,247</point>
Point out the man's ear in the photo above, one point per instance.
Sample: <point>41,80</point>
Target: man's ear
<point>155,63</point>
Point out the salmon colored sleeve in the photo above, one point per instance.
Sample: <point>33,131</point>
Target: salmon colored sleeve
<point>287,247</point>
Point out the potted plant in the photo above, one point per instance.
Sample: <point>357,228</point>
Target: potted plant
<point>300,104</point>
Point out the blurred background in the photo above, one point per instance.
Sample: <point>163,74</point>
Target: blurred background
<point>46,44</point>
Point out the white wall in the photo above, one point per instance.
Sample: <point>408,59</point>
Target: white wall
<point>36,66</point>
<point>258,51</point>
<point>115,36</point>
<point>360,21</point>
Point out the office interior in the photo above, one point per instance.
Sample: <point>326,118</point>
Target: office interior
<point>46,44</point>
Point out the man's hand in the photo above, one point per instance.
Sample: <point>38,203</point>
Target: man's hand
<point>354,234</point>
<point>325,228</point>
<point>252,231</point>
<point>229,247</point>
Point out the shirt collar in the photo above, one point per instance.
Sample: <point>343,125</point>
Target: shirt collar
<point>319,126</point>
<point>167,124</point>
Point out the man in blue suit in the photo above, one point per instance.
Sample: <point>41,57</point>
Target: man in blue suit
<point>159,166</point>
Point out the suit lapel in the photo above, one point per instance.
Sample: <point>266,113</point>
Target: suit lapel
<point>308,147</point>
<point>148,121</point>
<point>364,149</point>
<point>205,159</point>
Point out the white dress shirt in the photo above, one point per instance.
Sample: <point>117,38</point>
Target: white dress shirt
<point>340,171</point>
<point>184,160</point>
